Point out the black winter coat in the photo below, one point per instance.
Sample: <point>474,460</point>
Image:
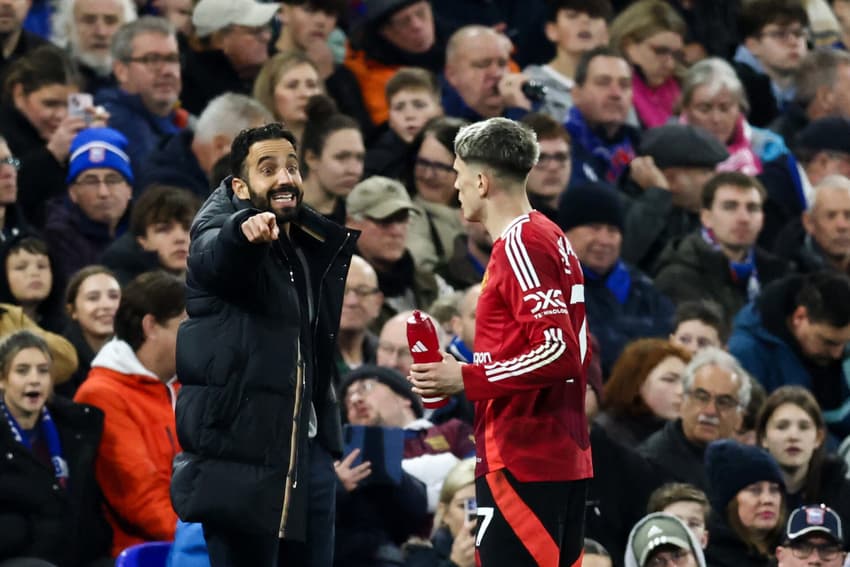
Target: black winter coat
<point>172,162</point>
<point>726,549</point>
<point>127,259</point>
<point>39,519</point>
<point>248,379</point>
<point>674,457</point>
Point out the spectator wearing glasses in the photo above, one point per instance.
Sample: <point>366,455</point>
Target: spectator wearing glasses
<point>361,303</point>
<point>548,179</point>
<point>813,536</point>
<point>12,220</point>
<point>716,389</point>
<point>775,36</point>
<point>147,68</point>
<point>433,231</point>
<point>651,34</point>
<point>380,209</point>
<point>234,38</point>
<point>796,334</point>
<point>94,211</point>
<point>661,539</point>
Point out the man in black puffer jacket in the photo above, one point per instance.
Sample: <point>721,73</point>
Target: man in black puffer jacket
<point>257,416</point>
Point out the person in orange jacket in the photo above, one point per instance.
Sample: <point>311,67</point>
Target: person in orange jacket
<point>133,381</point>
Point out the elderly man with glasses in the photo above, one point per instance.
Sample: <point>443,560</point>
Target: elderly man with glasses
<point>717,389</point>
<point>12,221</point>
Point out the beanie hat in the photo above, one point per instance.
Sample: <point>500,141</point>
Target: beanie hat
<point>731,466</point>
<point>387,376</point>
<point>590,203</point>
<point>682,145</point>
<point>99,147</point>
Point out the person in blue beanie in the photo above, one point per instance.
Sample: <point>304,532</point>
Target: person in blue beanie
<point>93,212</point>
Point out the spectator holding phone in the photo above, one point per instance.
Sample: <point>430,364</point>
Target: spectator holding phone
<point>453,540</point>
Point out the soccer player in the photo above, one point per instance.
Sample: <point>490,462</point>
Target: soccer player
<point>527,379</point>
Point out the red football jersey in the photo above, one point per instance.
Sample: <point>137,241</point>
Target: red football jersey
<point>528,375</point>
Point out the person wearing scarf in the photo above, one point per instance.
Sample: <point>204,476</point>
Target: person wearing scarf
<point>720,261</point>
<point>50,505</point>
<point>622,303</point>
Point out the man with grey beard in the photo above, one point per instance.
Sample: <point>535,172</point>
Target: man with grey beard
<point>717,389</point>
<point>14,40</point>
<point>85,28</point>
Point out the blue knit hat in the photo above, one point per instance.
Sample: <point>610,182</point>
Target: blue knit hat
<point>99,147</point>
<point>731,466</point>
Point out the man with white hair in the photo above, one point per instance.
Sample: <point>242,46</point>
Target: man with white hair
<point>820,239</point>
<point>85,28</point>
<point>187,158</point>
<point>717,389</point>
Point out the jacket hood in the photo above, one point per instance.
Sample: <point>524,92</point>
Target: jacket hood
<point>116,355</point>
<point>631,561</point>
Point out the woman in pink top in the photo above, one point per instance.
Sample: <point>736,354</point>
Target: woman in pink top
<point>650,33</point>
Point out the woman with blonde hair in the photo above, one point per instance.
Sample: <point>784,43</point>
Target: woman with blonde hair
<point>285,84</point>
<point>651,36</point>
<point>452,541</point>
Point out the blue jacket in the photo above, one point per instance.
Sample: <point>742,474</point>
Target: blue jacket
<point>646,312</point>
<point>172,162</point>
<point>128,115</point>
<point>774,363</point>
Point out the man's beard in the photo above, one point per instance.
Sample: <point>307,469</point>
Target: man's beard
<point>264,202</point>
<point>100,64</point>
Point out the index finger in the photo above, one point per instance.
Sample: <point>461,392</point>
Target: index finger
<point>350,457</point>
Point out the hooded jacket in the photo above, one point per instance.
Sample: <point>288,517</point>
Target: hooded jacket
<point>172,162</point>
<point>252,364</point>
<point>630,561</point>
<point>134,459</point>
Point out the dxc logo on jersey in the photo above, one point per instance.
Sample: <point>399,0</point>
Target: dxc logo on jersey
<point>548,302</point>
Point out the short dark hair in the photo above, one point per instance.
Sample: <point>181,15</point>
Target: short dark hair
<point>735,179</point>
<point>588,57</point>
<point>593,8</point>
<point>250,136</point>
<point>333,7</point>
<point>826,297</point>
<point>410,78</point>
<point>758,14</point>
<point>705,311</point>
<point>157,293</point>
<point>161,204</point>
<point>673,492</point>
<point>43,66</point>
<point>546,127</point>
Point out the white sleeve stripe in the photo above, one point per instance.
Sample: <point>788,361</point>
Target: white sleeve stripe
<point>577,294</point>
<point>542,355</point>
<point>519,260</point>
<point>554,349</point>
<point>499,365</point>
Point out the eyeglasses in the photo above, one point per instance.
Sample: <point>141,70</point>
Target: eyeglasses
<point>14,162</point>
<point>724,402</point>
<point>359,388</point>
<point>804,549</point>
<point>93,182</point>
<point>559,158</point>
<point>786,34</point>
<point>434,166</point>
<point>155,59</point>
<point>361,292</point>
<point>676,557</point>
<point>662,51</point>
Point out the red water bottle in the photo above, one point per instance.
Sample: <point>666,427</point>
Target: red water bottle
<point>424,347</point>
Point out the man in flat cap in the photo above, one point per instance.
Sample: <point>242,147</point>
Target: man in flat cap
<point>665,185</point>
